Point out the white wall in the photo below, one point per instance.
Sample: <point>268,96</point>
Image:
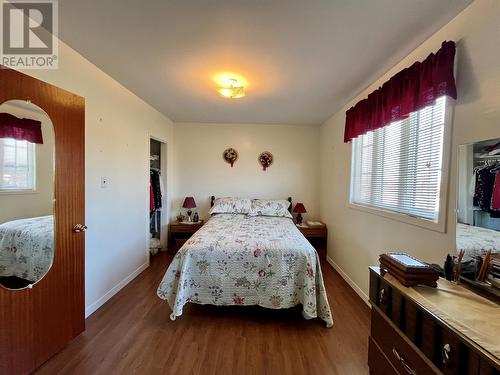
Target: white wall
<point>20,205</point>
<point>357,238</point>
<point>117,129</point>
<point>201,171</point>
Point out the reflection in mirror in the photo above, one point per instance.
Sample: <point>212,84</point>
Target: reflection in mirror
<point>27,152</point>
<point>478,208</point>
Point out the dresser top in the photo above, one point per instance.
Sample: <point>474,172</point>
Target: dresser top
<point>472,316</point>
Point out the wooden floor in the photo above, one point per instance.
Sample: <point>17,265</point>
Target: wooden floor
<point>132,334</point>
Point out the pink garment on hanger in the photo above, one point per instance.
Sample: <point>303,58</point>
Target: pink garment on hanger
<point>151,197</point>
<point>495,197</point>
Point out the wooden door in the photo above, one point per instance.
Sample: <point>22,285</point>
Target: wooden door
<point>36,323</point>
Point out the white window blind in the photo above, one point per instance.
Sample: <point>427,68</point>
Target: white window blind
<point>17,165</point>
<point>398,167</point>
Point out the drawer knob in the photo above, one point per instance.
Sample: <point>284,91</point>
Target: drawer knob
<point>381,296</point>
<point>445,353</point>
<point>401,360</point>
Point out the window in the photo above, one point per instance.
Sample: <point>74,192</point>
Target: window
<point>17,165</point>
<point>398,168</point>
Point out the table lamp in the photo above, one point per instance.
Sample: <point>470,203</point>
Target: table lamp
<point>299,209</point>
<point>189,203</point>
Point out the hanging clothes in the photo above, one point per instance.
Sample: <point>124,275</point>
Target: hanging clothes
<point>162,189</point>
<point>155,199</point>
<point>151,196</point>
<point>156,187</point>
<point>487,188</point>
<point>484,187</point>
<point>495,197</point>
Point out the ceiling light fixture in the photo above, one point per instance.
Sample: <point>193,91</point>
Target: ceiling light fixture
<point>231,89</point>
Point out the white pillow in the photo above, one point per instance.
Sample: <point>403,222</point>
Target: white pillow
<point>231,206</point>
<point>269,207</point>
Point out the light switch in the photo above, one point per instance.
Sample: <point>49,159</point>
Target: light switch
<point>104,182</point>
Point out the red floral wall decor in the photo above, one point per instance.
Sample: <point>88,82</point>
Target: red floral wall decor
<point>265,160</point>
<point>230,155</point>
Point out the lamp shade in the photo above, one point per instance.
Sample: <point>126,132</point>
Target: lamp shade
<point>189,203</point>
<point>299,208</point>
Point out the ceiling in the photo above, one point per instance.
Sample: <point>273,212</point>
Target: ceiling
<point>303,60</point>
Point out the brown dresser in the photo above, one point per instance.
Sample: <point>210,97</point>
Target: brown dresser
<point>407,338</point>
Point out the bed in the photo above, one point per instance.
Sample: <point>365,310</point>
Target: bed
<point>477,240</point>
<point>237,259</point>
<point>26,247</point>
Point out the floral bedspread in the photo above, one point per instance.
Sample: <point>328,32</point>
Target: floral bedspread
<point>243,260</point>
<point>26,247</point>
<point>477,240</point>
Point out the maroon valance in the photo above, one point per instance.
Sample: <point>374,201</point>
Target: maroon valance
<point>408,91</point>
<point>22,129</point>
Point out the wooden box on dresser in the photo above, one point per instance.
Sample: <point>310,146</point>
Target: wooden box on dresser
<point>406,338</point>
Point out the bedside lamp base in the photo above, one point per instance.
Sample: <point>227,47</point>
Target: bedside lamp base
<point>299,219</point>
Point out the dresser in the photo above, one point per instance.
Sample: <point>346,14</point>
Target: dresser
<point>408,338</point>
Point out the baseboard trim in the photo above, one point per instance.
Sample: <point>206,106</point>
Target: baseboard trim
<point>348,280</point>
<point>107,296</point>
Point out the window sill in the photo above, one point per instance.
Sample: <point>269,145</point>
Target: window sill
<point>439,226</point>
<point>17,192</point>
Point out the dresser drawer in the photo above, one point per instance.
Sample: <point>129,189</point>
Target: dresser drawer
<point>379,364</point>
<point>488,368</point>
<point>381,294</point>
<point>314,232</point>
<point>402,353</point>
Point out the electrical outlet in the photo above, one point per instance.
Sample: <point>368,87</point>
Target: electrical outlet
<point>104,182</point>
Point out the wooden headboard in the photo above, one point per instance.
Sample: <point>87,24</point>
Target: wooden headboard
<point>289,199</point>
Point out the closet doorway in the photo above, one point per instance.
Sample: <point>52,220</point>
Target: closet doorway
<point>158,215</point>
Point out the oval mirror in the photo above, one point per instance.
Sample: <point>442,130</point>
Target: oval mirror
<point>27,154</point>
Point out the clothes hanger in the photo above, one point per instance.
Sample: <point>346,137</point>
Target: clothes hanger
<point>496,168</point>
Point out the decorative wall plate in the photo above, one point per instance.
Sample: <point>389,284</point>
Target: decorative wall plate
<point>266,159</point>
<point>230,155</point>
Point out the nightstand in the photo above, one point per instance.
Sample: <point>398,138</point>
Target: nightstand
<point>178,233</point>
<point>318,237</point>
